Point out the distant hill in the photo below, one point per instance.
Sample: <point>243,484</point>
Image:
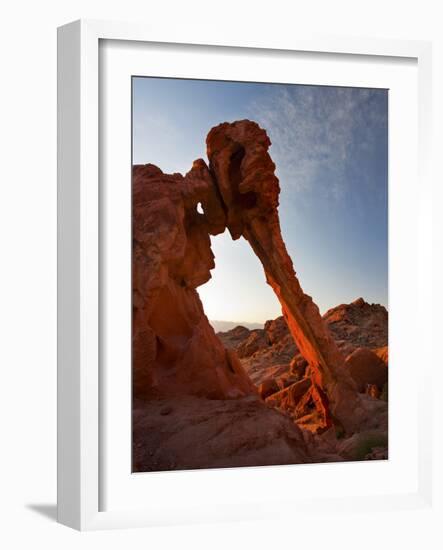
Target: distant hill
<point>224,326</point>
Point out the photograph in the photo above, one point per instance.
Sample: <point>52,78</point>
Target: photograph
<point>222,297</point>
<point>259,274</point>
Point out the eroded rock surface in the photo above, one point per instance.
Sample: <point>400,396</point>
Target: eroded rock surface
<point>358,324</point>
<point>277,363</point>
<point>175,350</point>
<point>202,433</point>
<point>244,172</point>
<point>353,326</point>
<point>367,369</point>
<point>195,403</point>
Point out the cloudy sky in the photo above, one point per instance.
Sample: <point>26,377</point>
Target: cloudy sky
<point>330,146</point>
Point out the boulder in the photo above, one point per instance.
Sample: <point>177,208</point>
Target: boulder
<point>367,369</point>
<point>194,432</point>
<point>288,398</point>
<point>358,324</point>
<point>276,330</point>
<point>256,341</point>
<point>383,353</point>
<point>233,338</point>
<point>268,387</point>
<point>366,445</point>
<point>175,350</point>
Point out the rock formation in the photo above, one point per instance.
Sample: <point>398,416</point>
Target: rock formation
<point>190,432</point>
<point>194,405</point>
<point>175,350</point>
<point>244,172</point>
<point>181,369</point>
<point>358,324</point>
<point>367,368</point>
<point>270,352</point>
<point>274,363</point>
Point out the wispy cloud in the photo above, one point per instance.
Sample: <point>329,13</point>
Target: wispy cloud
<point>319,134</point>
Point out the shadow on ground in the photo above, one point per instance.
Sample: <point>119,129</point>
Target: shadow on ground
<point>48,511</point>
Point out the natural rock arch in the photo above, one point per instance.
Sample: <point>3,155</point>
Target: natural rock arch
<point>175,350</point>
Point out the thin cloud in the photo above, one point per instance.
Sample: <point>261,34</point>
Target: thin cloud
<point>318,133</point>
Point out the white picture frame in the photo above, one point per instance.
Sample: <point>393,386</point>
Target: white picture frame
<point>79,202</point>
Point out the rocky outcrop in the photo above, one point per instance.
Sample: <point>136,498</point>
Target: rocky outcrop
<point>244,172</point>
<point>354,325</point>
<point>367,369</point>
<point>236,337</point>
<point>260,350</point>
<point>358,324</point>
<point>383,353</point>
<point>191,432</point>
<point>175,350</point>
<point>277,363</point>
<point>194,404</point>
<point>193,395</point>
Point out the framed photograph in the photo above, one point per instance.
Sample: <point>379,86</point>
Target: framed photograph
<point>242,258</point>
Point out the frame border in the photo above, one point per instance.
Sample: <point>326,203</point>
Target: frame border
<point>78,255</point>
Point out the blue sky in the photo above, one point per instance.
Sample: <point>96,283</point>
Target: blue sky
<point>330,146</point>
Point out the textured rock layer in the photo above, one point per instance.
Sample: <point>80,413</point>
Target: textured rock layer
<point>244,172</point>
<point>175,350</point>
<point>181,369</point>
<point>275,364</point>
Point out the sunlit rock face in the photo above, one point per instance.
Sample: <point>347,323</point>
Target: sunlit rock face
<point>175,350</point>
<point>194,405</point>
<point>244,173</point>
<point>275,365</point>
<point>367,369</point>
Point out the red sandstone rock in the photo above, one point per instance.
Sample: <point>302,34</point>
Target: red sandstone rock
<point>366,368</point>
<point>305,403</point>
<point>249,189</point>
<point>313,412</point>
<point>377,453</point>
<point>268,387</point>
<point>276,330</point>
<point>203,433</point>
<point>298,366</point>
<point>373,391</point>
<point>259,372</point>
<point>256,341</point>
<point>352,326</point>
<point>288,398</point>
<point>175,350</point>
<point>358,324</point>
<point>287,379</point>
<point>234,338</point>
<point>366,445</point>
<point>359,321</point>
<point>187,383</point>
<point>383,353</point>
